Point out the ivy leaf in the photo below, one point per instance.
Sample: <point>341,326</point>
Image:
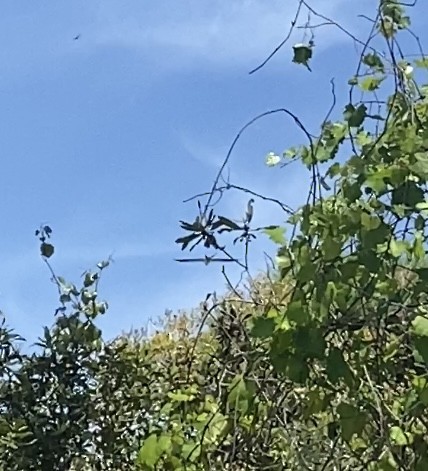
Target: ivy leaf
<point>352,421</point>
<point>297,313</point>
<point>263,328</point>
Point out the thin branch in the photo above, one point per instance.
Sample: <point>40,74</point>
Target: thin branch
<point>283,42</point>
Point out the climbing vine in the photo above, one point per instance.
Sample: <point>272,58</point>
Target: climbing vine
<point>349,336</point>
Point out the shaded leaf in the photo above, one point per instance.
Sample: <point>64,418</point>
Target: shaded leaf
<point>46,249</point>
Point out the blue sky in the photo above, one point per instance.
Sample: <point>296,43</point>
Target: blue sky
<point>102,138</point>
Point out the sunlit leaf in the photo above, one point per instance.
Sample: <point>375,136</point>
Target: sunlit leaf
<point>272,159</point>
<point>275,234</point>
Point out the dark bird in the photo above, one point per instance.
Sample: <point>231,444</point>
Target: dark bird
<point>76,37</point>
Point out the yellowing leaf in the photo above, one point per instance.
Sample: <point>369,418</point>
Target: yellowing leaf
<point>272,159</point>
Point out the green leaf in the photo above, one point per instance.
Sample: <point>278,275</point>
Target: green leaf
<point>370,84</point>
<point>351,191</point>
<point>422,206</point>
<point>276,234</point>
<point>46,249</point>
<point>420,167</point>
<point>420,222</point>
<point>352,421</point>
<point>337,367</point>
<point>376,182</point>
<point>398,247</point>
<point>306,272</point>
<point>149,454</point>
<point>297,313</point>
<point>408,194</point>
<point>371,239</point>
<point>421,352</point>
<point>423,64</point>
<point>89,280</point>
<point>180,396</point>
<point>302,53</point>
<point>309,342</point>
<point>374,61</point>
<point>370,260</point>
<point>386,462</point>
<point>191,451</point>
<point>422,464</point>
<point>370,222</point>
<point>399,437</point>
<point>315,402</point>
<point>296,369</point>
<point>263,328</point>
<point>164,444</point>
<point>331,248</point>
<point>420,326</point>
<point>240,392</point>
<point>418,246</point>
<point>355,116</point>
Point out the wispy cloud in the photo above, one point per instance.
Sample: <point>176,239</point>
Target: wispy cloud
<point>210,157</point>
<point>216,32</point>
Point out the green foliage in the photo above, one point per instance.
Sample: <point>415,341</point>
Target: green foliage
<point>319,364</point>
<point>351,340</point>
